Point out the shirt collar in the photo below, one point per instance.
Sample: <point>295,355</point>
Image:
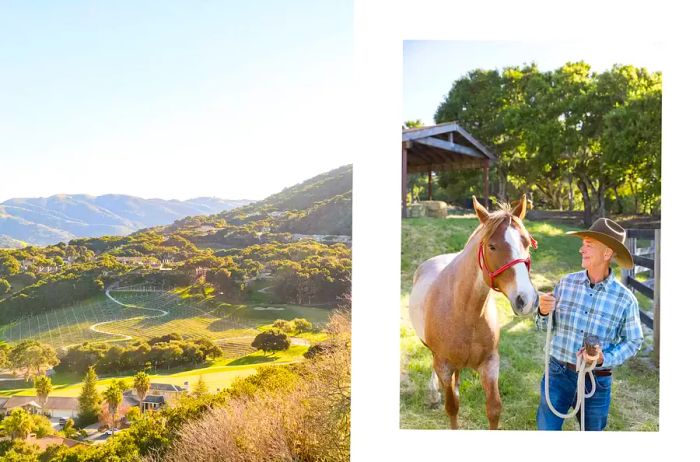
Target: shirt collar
<point>604,284</point>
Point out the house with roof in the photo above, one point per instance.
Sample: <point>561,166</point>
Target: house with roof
<point>47,441</point>
<point>56,406</point>
<point>159,394</point>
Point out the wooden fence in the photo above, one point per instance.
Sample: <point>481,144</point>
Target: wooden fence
<point>646,260</point>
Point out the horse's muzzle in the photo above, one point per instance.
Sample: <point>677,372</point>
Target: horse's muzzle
<point>525,305</point>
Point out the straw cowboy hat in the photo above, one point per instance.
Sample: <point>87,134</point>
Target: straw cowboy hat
<point>611,234</point>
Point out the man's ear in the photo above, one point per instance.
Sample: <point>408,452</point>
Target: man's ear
<point>481,212</point>
<point>611,253</point>
<point>521,209</point>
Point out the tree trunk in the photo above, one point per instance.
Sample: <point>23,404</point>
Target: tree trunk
<point>601,198</point>
<point>618,202</point>
<point>587,213</point>
<point>571,194</point>
<point>502,182</point>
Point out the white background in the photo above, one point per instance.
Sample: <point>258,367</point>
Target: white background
<point>379,30</point>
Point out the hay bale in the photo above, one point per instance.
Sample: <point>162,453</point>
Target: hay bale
<point>435,209</point>
<point>415,210</point>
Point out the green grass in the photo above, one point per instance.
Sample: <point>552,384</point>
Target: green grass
<point>71,325</point>
<point>636,386</point>
<point>219,374</point>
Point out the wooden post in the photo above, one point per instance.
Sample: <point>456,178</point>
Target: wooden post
<point>486,185</point>
<point>430,184</point>
<point>657,293</point>
<point>404,179</point>
<point>632,246</point>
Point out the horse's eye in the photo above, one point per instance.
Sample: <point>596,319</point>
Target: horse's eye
<point>492,247</point>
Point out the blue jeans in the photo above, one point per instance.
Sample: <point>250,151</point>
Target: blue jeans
<point>562,394</point>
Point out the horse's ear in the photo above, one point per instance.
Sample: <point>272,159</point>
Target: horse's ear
<point>481,212</point>
<point>521,209</point>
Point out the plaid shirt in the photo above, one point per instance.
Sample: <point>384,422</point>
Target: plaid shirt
<point>608,310</point>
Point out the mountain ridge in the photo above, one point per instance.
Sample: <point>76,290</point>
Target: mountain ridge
<point>61,217</point>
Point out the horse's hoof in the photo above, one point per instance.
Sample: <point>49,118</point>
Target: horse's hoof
<point>434,405</point>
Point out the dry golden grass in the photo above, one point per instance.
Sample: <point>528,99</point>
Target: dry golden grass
<point>307,422</point>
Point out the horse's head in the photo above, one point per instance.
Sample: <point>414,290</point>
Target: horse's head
<point>504,255</point>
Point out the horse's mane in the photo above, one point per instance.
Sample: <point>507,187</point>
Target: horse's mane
<point>504,212</point>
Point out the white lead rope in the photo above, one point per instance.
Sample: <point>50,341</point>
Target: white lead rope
<point>580,383</point>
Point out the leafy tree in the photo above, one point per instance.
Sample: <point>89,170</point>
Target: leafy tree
<point>42,385</point>
<point>69,430</point>
<point>302,325</point>
<point>21,451</point>
<point>8,265</point>
<point>89,400</point>
<point>4,286</point>
<point>413,123</point>
<point>283,325</point>
<point>41,426</point>
<point>271,340</point>
<point>4,354</point>
<point>568,135</point>
<point>200,388</point>
<point>18,424</point>
<point>32,357</point>
<point>113,396</point>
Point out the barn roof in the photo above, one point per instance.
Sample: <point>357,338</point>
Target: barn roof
<point>445,146</point>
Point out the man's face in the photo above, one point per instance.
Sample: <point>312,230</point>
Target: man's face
<point>594,254</point>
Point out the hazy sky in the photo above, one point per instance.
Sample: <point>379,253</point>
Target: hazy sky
<point>430,67</point>
<point>172,99</point>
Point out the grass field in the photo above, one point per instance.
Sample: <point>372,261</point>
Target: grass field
<point>72,325</point>
<point>218,375</point>
<point>152,314</point>
<point>635,401</point>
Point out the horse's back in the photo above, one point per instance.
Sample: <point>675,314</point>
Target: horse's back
<point>423,278</point>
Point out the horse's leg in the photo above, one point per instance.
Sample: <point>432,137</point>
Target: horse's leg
<point>455,384</point>
<point>434,397</point>
<point>445,374</point>
<point>488,372</point>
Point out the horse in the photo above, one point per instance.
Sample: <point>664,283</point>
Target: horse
<point>453,311</point>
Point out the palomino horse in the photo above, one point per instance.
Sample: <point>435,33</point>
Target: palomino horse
<point>453,311</point>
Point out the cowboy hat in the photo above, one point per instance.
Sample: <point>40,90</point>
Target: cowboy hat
<point>611,234</point>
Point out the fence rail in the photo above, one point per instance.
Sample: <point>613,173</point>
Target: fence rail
<point>646,260</point>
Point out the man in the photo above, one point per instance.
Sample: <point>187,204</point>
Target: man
<point>590,302</point>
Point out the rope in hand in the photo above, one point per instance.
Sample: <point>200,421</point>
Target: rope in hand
<point>582,370</point>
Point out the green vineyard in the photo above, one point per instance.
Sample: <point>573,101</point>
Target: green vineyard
<point>135,315</point>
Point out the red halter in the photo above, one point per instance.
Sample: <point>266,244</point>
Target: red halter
<point>493,275</point>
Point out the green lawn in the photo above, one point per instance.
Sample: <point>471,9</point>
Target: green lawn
<point>219,374</point>
<point>636,386</point>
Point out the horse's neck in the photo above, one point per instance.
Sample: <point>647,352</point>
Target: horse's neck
<point>470,290</point>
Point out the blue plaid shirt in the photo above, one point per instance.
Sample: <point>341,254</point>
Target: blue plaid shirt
<point>608,310</point>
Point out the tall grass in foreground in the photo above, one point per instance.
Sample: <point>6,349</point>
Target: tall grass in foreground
<point>307,417</point>
<point>635,400</point>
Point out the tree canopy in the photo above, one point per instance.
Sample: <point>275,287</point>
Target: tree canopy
<point>573,138</point>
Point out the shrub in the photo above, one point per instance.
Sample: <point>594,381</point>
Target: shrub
<point>271,340</point>
<point>302,325</point>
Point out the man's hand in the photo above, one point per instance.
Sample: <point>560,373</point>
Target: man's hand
<point>547,302</point>
<point>589,359</point>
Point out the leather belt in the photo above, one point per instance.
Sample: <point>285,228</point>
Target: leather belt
<point>596,372</point>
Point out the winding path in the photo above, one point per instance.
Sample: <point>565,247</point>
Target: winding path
<point>95,326</point>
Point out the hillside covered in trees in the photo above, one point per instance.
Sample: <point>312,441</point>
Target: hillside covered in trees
<point>298,240</point>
